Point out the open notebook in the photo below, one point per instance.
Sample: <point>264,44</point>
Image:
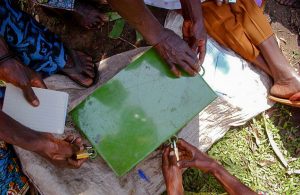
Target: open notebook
<point>139,109</point>
<point>49,116</point>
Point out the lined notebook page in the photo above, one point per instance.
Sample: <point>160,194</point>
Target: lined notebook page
<point>49,116</point>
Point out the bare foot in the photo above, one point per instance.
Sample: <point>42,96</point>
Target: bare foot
<point>80,68</point>
<point>88,15</point>
<point>288,88</point>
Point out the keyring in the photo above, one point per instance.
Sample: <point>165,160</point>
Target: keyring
<point>172,139</point>
<point>88,152</point>
<point>203,71</point>
<point>91,151</point>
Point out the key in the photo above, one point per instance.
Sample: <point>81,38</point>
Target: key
<point>176,150</point>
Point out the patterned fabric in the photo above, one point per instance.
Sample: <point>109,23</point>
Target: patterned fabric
<point>41,51</point>
<point>61,4</point>
<point>12,180</point>
<point>36,46</point>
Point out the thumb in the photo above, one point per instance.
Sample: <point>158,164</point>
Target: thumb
<point>30,95</point>
<point>295,97</point>
<point>36,80</point>
<point>172,159</point>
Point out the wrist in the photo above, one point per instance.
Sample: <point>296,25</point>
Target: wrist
<point>38,141</point>
<point>157,36</point>
<point>214,167</point>
<point>208,165</point>
<point>172,190</point>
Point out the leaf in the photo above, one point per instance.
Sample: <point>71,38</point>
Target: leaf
<point>113,16</point>
<point>117,30</point>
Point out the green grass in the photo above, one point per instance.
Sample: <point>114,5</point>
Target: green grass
<point>252,160</point>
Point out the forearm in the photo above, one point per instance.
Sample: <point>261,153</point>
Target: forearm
<point>231,184</point>
<point>140,17</point>
<point>14,133</point>
<point>191,10</point>
<point>174,190</point>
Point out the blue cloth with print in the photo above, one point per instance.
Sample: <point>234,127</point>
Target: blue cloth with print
<point>40,50</point>
<point>34,44</point>
<point>60,4</point>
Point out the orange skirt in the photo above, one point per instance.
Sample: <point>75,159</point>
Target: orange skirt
<point>241,26</point>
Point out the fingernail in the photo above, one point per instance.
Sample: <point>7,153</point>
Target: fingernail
<point>35,102</point>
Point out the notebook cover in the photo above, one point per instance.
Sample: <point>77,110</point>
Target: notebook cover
<point>139,109</point>
<point>49,116</point>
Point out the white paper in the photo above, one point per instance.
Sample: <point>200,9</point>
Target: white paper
<point>49,116</point>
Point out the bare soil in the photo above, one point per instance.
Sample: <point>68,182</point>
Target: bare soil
<point>285,22</point>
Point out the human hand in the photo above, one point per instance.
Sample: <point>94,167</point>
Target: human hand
<point>195,35</point>
<point>172,173</point>
<point>61,152</point>
<point>190,156</point>
<point>177,54</point>
<point>12,71</point>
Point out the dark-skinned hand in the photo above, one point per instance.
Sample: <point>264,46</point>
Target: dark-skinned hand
<point>61,152</point>
<point>190,156</point>
<point>195,35</point>
<point>177,54</point>
<point>12,71</point>
<point>172,173</point>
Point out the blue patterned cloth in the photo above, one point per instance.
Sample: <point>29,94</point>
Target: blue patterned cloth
<point>36,46</point>
<point>61,4</point>
<point>12,180</point>
<point>40,50</point>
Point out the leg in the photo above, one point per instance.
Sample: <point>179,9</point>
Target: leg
<point>86,14</point>
<point>243,28</point>
<point>286,80</point>
<point>40,49</point>
<point>261,63</point>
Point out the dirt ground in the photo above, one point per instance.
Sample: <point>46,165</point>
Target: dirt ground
<point>285,22</point>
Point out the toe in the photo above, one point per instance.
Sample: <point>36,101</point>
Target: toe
<point>89,69</point>
<point>103,2</point>
<point>86,81</point>
<point>103,17</point>
<point>90,73</point>
<point>295,97</point>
